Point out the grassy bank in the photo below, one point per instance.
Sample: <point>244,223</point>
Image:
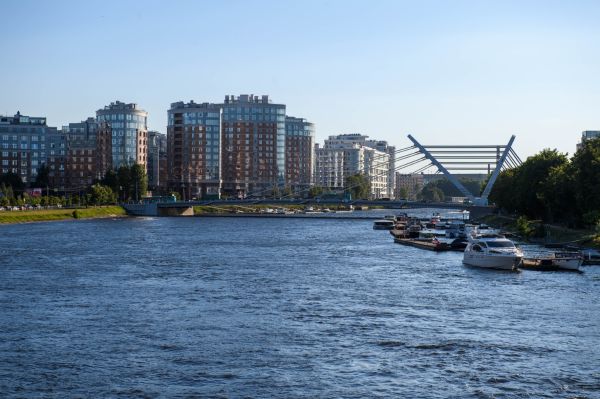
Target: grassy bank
<point>7,217</point>
<point>551,233</point>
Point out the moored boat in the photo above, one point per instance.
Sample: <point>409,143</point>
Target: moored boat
<point>567,260</point>
<point>383,224</point>
<point>495,252</point>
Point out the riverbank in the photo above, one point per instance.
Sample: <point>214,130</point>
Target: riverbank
<point>47,215</point>
<point>554,234</point>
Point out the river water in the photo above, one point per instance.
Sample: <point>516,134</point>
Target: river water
<point>259,307</point>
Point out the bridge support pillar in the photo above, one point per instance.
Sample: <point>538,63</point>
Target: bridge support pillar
<point>176,211</point>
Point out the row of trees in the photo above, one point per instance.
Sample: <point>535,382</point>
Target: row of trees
<point>551,187</point>
<point>439,190</point>
<point>128,183</point>
<point>357,185</point>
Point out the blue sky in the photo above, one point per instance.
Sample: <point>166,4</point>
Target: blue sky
<point>452,72</point>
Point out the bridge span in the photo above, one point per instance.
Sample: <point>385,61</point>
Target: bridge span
<point>186,208</point>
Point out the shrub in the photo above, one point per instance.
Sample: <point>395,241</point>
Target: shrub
<point>525,227</point>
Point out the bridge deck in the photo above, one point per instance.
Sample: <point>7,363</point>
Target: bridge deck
<point>282,202</point>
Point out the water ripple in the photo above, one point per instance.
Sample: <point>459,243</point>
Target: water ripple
<point>191,307</point>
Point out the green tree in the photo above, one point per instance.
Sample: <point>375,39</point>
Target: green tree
<point>4,201</point>
<point>359,186</point>
<point>275,192</point>
<point>42,179</point>
<point>102,195</point>
<point>557,192</point>
<point>522,189</point>
<point>124,178</point>
<point>403,192</point>
<point>111,179</point>
<point>138,182</point>
<point>449,190</point>
<point>586,177</point>
<point>525,227</point>
<point>432,193</point>
<point>504,193</point>
<point>7,194</point>
<point>13,180</point>
<point>315,191</point>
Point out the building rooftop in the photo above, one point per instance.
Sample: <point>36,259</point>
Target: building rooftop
<point>19,119</point>
<point>121,106</point>
<point>192,104</point>
<point>247,98</point>
<point>590,134</point>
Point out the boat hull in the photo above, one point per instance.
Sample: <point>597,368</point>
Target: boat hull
<point>501,262</point>
<point>567,264</point>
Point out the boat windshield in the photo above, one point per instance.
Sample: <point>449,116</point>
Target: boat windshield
<point>500,244</point>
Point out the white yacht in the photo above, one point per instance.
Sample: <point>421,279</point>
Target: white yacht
<point>492,252</point>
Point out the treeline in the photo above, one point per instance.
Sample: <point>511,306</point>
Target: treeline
<point>357,186</point>
<point>551,187</point>
<point>440,190</point>
<point>128,183</point>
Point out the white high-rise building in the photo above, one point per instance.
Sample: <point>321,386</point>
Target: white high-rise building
<point>348,154</point>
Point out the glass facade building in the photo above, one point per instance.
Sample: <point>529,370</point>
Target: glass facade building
<point>27,143</point>
<point>242,147</point>
<point>157,160</point>
<point>129,132</point>
<point>194,149</point>
<point>299,153</point>
<point>89,152</point>
<point>253,145</point>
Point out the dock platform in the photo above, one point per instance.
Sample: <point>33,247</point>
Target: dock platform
<point>411,242</point>
<point>543,265</point>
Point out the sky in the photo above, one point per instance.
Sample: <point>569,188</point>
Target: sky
<point>447,72</point>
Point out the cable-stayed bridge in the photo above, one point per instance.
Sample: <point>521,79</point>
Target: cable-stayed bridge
<point>490,159</point>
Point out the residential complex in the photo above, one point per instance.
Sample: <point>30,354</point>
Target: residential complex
<point>129,132</point>
<point>157,161</point>
<point>348,154</point>
<point>408,186</point>
<point>588,135</point>
<point>89,152</point>
<point>245,146</point>
<point>28,143</point>
<point>299,153</point>
<point>253,146</point>
<point>194,149</point>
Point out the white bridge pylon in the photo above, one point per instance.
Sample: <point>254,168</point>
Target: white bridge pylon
<point>472,158</point>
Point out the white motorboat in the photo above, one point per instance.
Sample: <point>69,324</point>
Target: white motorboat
<point>495,252</point>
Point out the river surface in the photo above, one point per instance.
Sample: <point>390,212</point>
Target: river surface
<point>288,308</point>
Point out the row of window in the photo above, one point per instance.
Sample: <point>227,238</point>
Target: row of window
<point>6,137</point>
<point>122,117</point>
